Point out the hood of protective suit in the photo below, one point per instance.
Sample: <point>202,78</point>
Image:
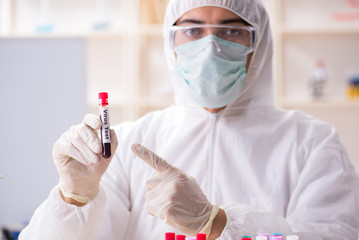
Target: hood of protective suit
<point>258,91</point>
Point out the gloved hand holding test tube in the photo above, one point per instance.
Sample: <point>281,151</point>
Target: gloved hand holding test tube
<point>81,159</point>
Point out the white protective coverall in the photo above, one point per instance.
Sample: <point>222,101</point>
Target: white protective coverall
<point>270,170</point>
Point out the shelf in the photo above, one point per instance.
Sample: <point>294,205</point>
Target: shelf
<point>143,30</point>
<point>291,30</point>
<point>41,36</point>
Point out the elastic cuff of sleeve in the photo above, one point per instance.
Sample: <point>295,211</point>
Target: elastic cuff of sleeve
<point>207,228</point>
<point>78,198</point>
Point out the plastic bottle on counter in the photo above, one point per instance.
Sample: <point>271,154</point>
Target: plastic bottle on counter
<point>353,87</point>
<point>318,80</point>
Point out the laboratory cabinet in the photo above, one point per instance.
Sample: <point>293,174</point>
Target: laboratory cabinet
<point>306,32</point>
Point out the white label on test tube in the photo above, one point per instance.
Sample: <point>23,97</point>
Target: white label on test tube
<point>105,124</point>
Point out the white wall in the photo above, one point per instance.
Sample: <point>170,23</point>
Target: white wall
<point>42,93</point>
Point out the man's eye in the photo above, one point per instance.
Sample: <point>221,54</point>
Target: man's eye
<point>232,32</point>
<point>193,32</point>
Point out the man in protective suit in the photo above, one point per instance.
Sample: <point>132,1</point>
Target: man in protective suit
<point>222,160</point>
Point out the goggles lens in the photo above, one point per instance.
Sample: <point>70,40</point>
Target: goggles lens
<point>245,35</point>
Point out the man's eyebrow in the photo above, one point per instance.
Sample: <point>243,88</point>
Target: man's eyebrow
<point>189,21</point>
<point>226,21</point>
<point>233,20</point>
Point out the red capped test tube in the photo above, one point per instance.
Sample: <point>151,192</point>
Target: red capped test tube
<point>170,236</point>
<point>201,236</point>
<point>105,129</point>
<point>246,238</point>
<point>180,237</point>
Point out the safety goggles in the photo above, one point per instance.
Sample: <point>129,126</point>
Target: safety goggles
<point>244,35</point>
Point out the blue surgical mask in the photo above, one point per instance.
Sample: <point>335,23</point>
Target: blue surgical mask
<point>213,70</point>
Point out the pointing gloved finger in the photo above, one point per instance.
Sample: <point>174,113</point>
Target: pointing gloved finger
<point>156,162</point>
<point>92,121</point>
<point>90,137</point>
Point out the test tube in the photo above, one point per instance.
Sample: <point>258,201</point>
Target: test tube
<point>292,237</point>
<point>170,236</point>
<point>266,235</point>
<point>201,236</point>
<point>277,236</point>
<point>105,129</point>
<point>180,237</point>
<point>246,238</point>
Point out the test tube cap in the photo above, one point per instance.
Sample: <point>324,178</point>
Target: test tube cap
<point>170,236</point>
<point>180,237</point>
<point>103,97</point>
<point>103,94</point>
<point>246,238</point>
<point>201,236</point>
<point>261,238</point>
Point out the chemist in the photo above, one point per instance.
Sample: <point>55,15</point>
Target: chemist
<point>228,163</point>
